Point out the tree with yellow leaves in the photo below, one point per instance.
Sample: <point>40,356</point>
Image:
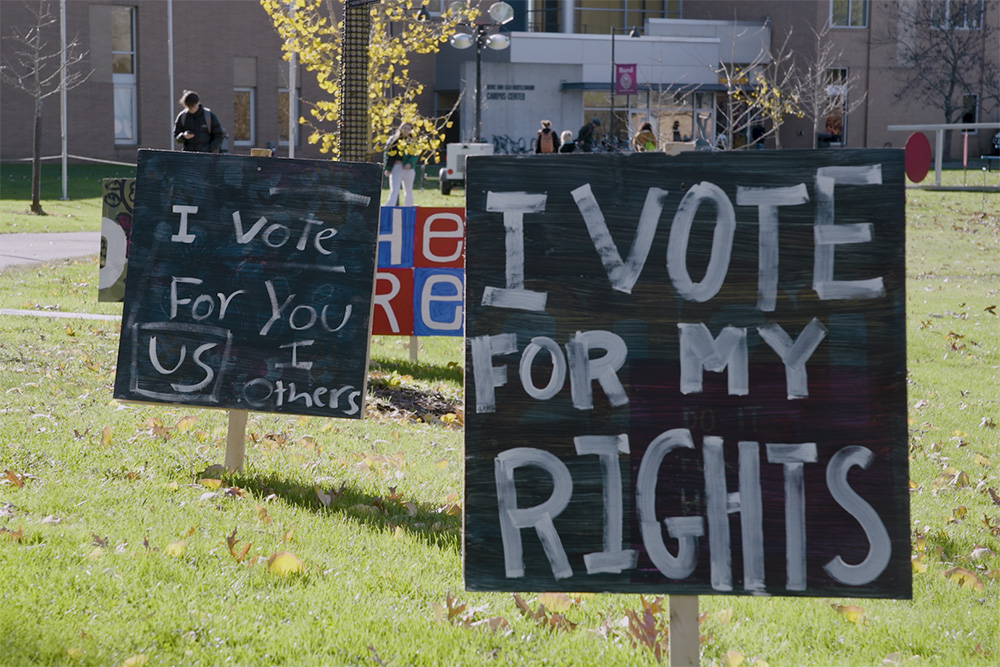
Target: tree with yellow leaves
<point>312,29</point>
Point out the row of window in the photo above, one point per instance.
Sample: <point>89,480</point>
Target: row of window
<point>949,14</point>
<point>125,98</point>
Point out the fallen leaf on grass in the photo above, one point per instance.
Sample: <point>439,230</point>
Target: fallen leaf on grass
<point>136,660</point>
<point>106,436</point>
<point>231,542</point>
<point>14,478</point>
<point>13,535</point>
<point>851,612</point>
<point>732,659</point>
<point>558,602</point>
<point>917,563</point>
<point>979,552</point>
<point>284,563</point>
<point>288,534</point>
<point>964,578</point>
<point>175,549</point>
<point>74,653</point>
<point>184,424</point>
<point>210,483</point>
<point>451,609</point>
<point>263,516</point>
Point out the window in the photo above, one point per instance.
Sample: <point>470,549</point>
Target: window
<point>849,13</point>
<point>835,123</point>
<point>123,73</point>
<point>243,117</point>
<point>970,110</point>
<point>957,14</point>
<point>283,117</point>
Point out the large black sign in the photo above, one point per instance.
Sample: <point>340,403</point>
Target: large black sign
<point>687,374</point>
<point>250,283</point>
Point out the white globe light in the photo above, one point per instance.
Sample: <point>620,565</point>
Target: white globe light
<point>498,42</point>
<point>501,12</point>
<point>461,40</point>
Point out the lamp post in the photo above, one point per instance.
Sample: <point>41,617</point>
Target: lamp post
<point>500,13</point>
<point>614,79</point>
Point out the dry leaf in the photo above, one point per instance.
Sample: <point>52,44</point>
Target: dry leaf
<point>184,424</point>
<point>14,478</point>
<point>850,612</point>
<point>106,436</point>
<point>175,549</point>
<point>136,660</point>
<point>732,659</point>
<point>284,563</point>
<point>556,602</point>
<point>74,653</point>
<point>287,535</point>
<point>263,516</point>
<point>210,483</point>
<point>724,616</point>
<point>231,542</point>
<point>964,578</point>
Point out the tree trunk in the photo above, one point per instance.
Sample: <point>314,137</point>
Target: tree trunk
<point>36,162</point>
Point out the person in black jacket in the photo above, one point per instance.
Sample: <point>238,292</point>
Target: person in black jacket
<point>197,127</point>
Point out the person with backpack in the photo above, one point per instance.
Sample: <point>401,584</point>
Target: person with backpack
<point>547,141</point>
<point>197,127</point>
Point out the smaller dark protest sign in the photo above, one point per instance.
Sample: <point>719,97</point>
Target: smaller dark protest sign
<point>117,203</point>
<point>250,283</point>
<point>687,374</point>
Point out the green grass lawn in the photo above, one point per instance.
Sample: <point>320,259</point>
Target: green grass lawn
<point>121,545</point>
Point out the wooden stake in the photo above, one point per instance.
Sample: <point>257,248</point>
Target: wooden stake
<point>685,643</point>
<point>236,439</point>
<point>414,346</point>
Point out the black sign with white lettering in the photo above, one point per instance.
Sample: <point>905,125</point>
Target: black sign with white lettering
<point>686,374</point>
<point>250,283</point>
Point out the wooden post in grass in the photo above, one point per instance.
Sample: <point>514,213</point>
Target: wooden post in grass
<point>414,348</point>
<point>236,440</point>
<point>685,643</point>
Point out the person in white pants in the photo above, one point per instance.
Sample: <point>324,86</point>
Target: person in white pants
<point>400,167</point>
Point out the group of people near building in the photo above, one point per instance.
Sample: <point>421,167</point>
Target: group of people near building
<point>547,141</point>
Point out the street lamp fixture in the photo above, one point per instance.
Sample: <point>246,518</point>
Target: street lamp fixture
<point>481,37</point>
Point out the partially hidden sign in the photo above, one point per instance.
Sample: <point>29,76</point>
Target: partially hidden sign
<point>420,283</point>
<point>687,374</point>
<point>250,283</point>
<point>117,203</point>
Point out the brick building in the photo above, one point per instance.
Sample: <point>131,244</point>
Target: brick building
<point>144,54</point>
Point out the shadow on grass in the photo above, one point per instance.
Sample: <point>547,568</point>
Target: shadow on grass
<point>436,526</point>
<point>419,371</point>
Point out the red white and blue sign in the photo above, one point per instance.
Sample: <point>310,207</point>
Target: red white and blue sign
<point>420,282</point>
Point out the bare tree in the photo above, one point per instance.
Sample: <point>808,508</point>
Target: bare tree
<point>942,54</point>
<point>824,94</point>
<point>760,94</point>
<point>38,70</point>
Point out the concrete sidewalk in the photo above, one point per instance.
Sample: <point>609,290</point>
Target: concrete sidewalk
<point>19,249</point>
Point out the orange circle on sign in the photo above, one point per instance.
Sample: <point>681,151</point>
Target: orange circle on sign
<point>917,157</point>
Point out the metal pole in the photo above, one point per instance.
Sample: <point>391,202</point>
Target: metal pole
<point>170,70</point>
<point>293,66</point>
<point>62,93</point>
<point>480,31</point>
<point>611,129</point>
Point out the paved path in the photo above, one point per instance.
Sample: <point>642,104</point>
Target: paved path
<point>18,249</point>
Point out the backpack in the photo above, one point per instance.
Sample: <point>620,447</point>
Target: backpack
<point>546,145</point>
